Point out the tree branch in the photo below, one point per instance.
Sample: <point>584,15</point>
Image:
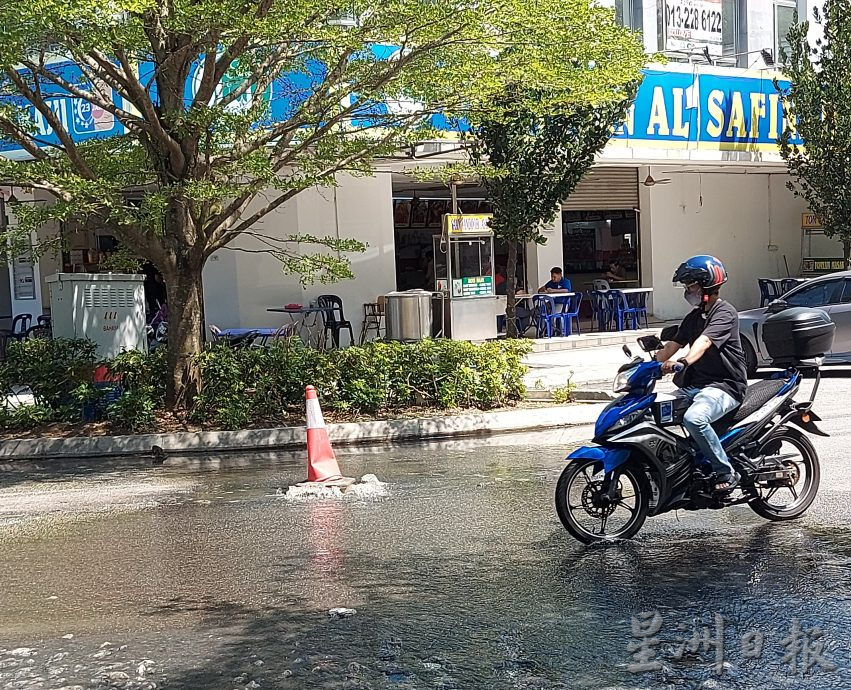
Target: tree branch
<point>35,97</point>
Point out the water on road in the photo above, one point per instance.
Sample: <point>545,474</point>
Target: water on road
<point>198,575</point>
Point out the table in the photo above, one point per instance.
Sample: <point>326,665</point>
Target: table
<point>263,334</point>
<point>299,317</point>
<point>627,292</point>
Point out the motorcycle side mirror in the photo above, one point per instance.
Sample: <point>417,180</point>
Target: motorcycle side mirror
<point>627,351</point>
<point>650,343</point>
<point>776,306</point>
<point>669,333</point>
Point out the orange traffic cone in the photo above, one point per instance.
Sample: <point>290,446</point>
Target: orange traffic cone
<point>322,467</point>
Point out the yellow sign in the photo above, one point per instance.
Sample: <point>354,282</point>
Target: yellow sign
<point>467,223</point>
<point>810,221</point>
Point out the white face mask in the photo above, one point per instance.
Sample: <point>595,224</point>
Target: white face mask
<point>693,298</point>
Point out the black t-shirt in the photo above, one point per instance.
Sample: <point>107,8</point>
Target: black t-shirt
<point>723,364</point>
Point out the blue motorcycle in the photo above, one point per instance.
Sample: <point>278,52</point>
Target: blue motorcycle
<point>644,463</point>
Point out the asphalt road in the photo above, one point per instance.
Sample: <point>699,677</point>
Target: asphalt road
<point>199,574</point>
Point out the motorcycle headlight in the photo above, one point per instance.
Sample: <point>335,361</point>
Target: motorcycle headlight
<point>621,383</point>
<point>629,419</point>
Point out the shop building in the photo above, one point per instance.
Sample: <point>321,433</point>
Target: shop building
<point>694,169</point>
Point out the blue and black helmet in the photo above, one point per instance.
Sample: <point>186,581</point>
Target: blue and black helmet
<point>706,271</point>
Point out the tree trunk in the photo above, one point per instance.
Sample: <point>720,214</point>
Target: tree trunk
<point>511,291</point>
<point>846,249</point>
<point>185,333</point>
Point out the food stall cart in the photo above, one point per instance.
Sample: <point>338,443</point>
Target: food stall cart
<point>467,280</point>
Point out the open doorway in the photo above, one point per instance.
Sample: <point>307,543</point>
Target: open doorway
<point>601,244</point>
<point>419,242</point>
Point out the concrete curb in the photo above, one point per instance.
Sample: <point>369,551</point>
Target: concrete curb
<point>427,428</point>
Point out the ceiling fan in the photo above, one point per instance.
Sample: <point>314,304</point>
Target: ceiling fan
<point>650,181</point>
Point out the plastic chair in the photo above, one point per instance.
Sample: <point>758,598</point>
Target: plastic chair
<point>638,301</point>
<point>547,319</point>
<point>215,333</point>
<point>622,311</point>
<point>20,325</point>
<point>601,285</point>
<point>334,319</point>
<point>40,331</point>
<point>44,320</point>
<point>768,291</point>
<point>373,318</point>
<point>601,309</point>
<point>571,312</point>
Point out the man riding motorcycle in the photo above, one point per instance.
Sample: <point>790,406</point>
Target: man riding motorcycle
<point>714,377</point>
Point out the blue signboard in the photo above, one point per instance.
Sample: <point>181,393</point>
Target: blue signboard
<point>696,108</point>
<point>677,106</point>
<point>81,119</point>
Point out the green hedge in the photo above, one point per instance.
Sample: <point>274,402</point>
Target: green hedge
<point>243,386</point>
<point>247,386</point>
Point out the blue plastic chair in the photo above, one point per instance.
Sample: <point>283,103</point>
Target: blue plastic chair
<point>571,312</point>
<point>768,291</point>
<point>622,311</point>
<point>638,301</point>
<point>547,318</point>
<point>601,309</point>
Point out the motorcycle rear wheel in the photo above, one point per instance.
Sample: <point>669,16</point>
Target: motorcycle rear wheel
<point>798,453</point>
<point>578,506</point>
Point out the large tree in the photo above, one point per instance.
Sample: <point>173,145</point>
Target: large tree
<point>817,107</point>
<point>225,109</point>
<point>537,159</point>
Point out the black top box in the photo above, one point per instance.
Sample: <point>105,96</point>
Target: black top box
<point>798,333</point>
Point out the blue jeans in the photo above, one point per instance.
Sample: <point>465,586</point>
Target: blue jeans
<point>708,405</point>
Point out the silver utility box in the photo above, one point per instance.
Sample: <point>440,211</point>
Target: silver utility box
<point>106,308</point>
<point>409,315</point>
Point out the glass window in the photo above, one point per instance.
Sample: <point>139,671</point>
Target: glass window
<point>784,19</point>
<point>816,295</point>
<point>730,26</point>
<point>472,271</point>
<point>628,13</point>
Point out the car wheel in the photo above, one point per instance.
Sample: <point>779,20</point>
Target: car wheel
<point>750,357</point>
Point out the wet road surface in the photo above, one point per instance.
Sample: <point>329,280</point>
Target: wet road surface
<point>197,574</point>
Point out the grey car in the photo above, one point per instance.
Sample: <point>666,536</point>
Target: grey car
<point>831,292</point>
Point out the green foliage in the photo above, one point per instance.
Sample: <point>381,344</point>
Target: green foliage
<point>141,379</point>
<point>122,260</point>
<point>255,385</point>
<point>59,373</point>
<point>249,385</point>
<point>818,106</point>
<point>564,394</point>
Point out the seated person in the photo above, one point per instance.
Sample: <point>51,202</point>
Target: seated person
<point>616,272</point>
<point>557,284</point>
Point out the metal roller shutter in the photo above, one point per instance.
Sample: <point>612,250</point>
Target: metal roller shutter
<point>605,189</point>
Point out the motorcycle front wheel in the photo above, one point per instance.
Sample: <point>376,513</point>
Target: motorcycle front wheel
<point>788,498</point>
<point>584,511</point>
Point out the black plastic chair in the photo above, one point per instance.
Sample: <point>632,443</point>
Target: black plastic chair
<point>20,325</point>
<point>40,331</point>
<point>335,320</point>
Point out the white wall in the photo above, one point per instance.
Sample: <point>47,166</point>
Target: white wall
<point>239,286</point>
<point>541,258</point>
<point>749,221</point>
